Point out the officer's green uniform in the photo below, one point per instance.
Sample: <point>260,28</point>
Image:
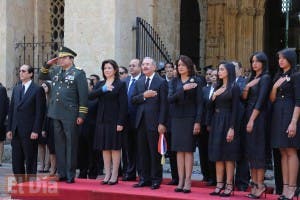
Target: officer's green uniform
<point>68,100</point>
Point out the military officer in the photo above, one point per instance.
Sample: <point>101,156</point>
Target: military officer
<point>67,108</point>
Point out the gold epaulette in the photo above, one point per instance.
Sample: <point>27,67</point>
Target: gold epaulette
<point>83,109</point>
<point>44,70</point>
<point>78,68</point>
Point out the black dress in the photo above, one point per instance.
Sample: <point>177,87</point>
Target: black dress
<point>224,110</point>
<point>287,97</point>
<point>258,96</point>
<point>111,111</point>
<point>186,111</point>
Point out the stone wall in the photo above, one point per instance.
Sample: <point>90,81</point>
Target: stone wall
<point>19,18</point>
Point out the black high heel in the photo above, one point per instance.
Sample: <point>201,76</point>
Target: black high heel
<point>214,193</point>
<point>231,191</point>
<point>112,182</point>
<point>257,196</point>
<point>281,197</point>
<point>253,186</point>
<point>296,193</point>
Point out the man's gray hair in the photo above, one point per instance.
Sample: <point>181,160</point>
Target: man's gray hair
<point>152,60</point>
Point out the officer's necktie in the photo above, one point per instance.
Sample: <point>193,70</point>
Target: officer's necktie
<point>22,92</point>
<point>130,89</point>
<point>147,84</point>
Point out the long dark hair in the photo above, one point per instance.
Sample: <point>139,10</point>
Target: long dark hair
<point>115,66</point>
<point>189,64</point>
<point>231,74</point>
<point>261,57</point>
<point>291,56</point>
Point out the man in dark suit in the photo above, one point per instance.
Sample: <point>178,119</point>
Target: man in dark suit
<point>169,75</point>
<point>129,147</point>
<point>25,120</point>
<point>242,175</point>
<point>207,167</point>
<point>150,96</point>
<point>4,103</point>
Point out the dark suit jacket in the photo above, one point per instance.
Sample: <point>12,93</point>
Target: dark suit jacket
<point>186,103</point>
<point>27,115</point>
<point>112,106</point>
<point>155,109</point>
<point>206,91</point>
<point>4,103</point>
<point>131,108</point>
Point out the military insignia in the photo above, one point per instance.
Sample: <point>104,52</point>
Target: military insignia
<point>55,78</point>
<point>70,77</point>
<point>287,78</point>
<point>192,80</point>
<point>78,68</point>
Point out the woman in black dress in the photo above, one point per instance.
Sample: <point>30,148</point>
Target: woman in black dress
<point>111,113</point>
<point>223,144</point>
<point>185,95</point>
<point>48,133</point>
<point>285,96</point>
<point>256,95</point>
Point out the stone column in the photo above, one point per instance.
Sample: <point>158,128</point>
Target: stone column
<point>90,31</point>
<point>231,26</point>
<point>259,25</point>
<point>246,32</point>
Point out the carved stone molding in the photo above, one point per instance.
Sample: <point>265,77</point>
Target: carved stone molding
<point>250,11</point>
<point>215,2</point>
<point>260,12</point>
<point>232,11</point>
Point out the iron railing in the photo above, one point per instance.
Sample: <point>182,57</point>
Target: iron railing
<point>148,42</point>
<point>35,52</point>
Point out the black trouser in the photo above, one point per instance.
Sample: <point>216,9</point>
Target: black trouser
<point>66,143</point>
<point>208,168</point>
<point>149,158</point>
<point>87,156</point>
<point>173,158</point>
<point>24,149</point>
<point>242,175</point>
<point>130,151</point>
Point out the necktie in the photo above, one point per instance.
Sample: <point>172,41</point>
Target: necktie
<point>130,89</point>
<point>147,84</point>
<point>22,92</point>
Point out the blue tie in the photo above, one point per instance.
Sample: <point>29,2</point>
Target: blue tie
<point>22,92</point>
<point>130,89</point>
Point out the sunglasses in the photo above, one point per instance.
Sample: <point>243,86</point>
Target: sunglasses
<point>22,70</point>
<point>121,73</point>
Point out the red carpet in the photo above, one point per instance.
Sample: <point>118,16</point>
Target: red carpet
<point>92,189</point>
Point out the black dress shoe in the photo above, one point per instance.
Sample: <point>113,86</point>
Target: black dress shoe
<point>70,180</point>
<point>173,182</point>
<point>187,191</point>
<point>141,184</point>
<point>62,179</point>
<point>112,182</point>
<point>178,190</point>
<point>155,186</point>
<point>127,178</point>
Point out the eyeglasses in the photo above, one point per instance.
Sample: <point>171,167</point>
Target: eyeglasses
<point>22,70</point>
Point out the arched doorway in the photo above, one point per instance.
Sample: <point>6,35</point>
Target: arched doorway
<point>190,30</point>
<point>275,30</point>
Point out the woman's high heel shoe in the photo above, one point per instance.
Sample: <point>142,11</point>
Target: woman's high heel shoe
<point>218,188</point>
<point>228,187</point>
<point>253,189</point>
<point>260,193</point>
<point>296,194</point>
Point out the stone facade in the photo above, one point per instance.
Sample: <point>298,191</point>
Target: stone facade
<point>98,30</point>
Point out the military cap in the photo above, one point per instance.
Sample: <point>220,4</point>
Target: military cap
<point>65,51</point>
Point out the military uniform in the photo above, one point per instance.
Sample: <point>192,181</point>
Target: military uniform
<point>68,101</point>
